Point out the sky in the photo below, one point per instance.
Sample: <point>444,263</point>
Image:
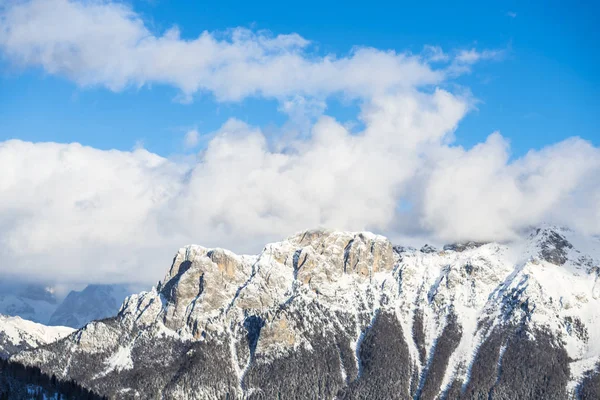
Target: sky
<point>129,129</point>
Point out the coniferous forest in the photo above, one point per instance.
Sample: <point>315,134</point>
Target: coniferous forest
<point>18,381</point>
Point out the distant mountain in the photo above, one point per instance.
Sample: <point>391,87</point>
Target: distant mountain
<point>340,315</point>
<point>17,334</point>
<point>39,304</point>
<point>31,302</point>
<point>92,303</point>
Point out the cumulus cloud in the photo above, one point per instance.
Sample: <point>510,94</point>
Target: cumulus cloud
<point>70,213</point>
<point>80,214</point>
<point>481,194</point>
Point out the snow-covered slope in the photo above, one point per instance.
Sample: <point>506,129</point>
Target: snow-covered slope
<point>18,334</point>
<point>92,303</point>
<point>348,315</point>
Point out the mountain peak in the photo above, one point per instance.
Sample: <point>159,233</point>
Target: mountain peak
<point>344,301</point>
<point>95,301</point>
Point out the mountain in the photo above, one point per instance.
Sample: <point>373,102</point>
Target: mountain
<point>92,303</point>
<point>39,304</point>
<point>31,302</point>
<point>17,334</point>
<point>347,316</point>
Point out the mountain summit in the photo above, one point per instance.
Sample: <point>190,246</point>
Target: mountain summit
<point>91,303</point>
<point>347,315</point>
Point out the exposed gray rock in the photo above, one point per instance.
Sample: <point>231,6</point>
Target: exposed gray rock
<point>553,246</point>
<point>463,246</point>
<point>428,249</point>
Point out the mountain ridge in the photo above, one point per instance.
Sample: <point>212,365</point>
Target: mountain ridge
<point>92,303</point>
<point>17,334</point>
<point>352,298</point>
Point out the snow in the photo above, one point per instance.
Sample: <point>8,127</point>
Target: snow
<point>358,275</point>
<point>121,359</point>
<point>19,331</point>
<point>578,370</point>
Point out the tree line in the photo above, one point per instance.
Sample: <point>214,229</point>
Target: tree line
<point>18,381</point>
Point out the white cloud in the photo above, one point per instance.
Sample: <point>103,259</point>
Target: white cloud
<point>72,214</point>
<point>473,56</point>
<point>108,44</point>
<point>100,43</point>
<point>435,54</point>
<point>480,194</point>
<point>463,60</point>
<point>79,214</point>
<point>511,14</point>
<point>191,139</point>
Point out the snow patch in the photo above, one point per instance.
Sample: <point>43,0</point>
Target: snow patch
<point>120,360</point>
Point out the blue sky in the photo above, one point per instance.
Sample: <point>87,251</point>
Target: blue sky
<point>543,90</point>
<point>372,116</point>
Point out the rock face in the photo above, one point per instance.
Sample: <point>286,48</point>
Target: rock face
<point>348,316</point>
<point>17,334</point>
<point>92,303</point>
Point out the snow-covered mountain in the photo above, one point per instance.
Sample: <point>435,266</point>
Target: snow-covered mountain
<point>348,315</point>
<point>92,303</point>
<point>39,304</point>
<point>31,302</point>
<point>17,334</point>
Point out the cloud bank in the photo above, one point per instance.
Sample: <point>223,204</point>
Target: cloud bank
<point>70,213</point>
